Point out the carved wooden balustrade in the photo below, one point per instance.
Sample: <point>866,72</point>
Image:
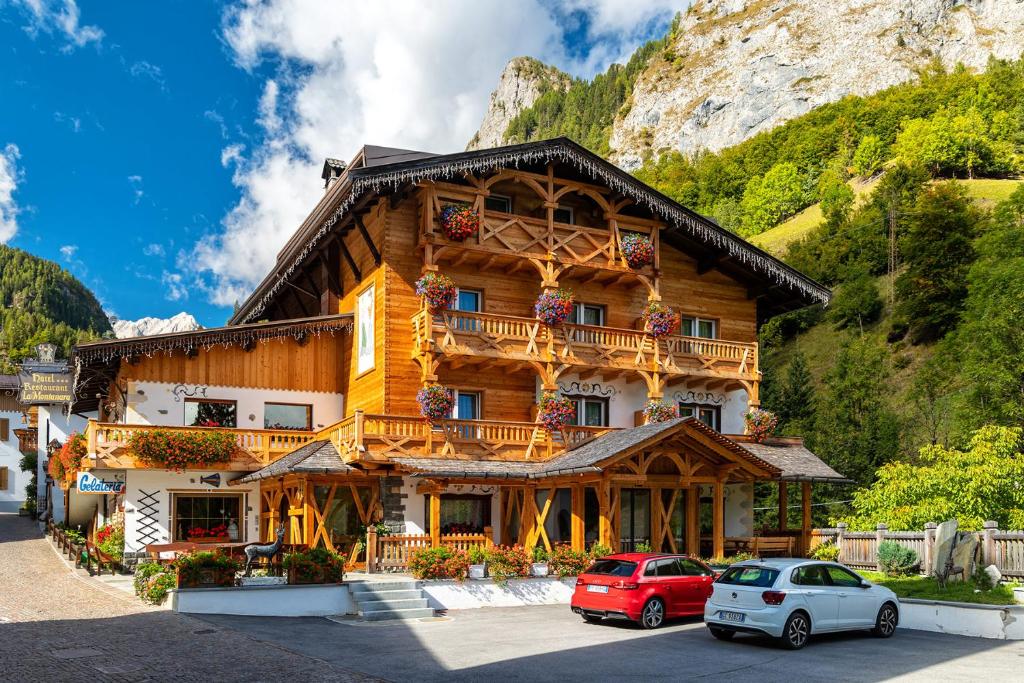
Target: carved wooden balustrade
<point>107,444</point>
<point>459,333</point>
<point>377,437</point>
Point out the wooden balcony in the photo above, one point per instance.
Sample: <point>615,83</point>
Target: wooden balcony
<point>107,445</point>
<point>372,438</point>
<point>458,333</point>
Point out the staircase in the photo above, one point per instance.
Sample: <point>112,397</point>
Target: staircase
<point>379,600</point>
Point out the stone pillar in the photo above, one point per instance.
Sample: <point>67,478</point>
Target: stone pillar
<point>840,538</point>
<point>988,539</point>
<point>929,547</point>
<point>371,549</point>
<point>880,530</point>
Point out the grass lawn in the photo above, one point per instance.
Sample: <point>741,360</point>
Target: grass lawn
<point>927,588</point>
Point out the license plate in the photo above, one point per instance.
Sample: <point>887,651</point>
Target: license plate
<point>731,616</point>
<point>597,589</point>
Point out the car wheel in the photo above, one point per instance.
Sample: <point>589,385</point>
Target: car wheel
<point>885,622</point>
<point>794,634</point>
<point>590,618</point>
<point>653,614</point>
<point>721,633</point>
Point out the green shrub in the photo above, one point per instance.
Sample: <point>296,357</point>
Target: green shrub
<point>540,554</point>
<point>191,565</point>
<point>568,562</point>
<point>826,552</point>
<point>152,581</point>
<point>643,547</point>
<point>599,550</point>
<point>309,565</point>
<point>476,555</point>
<point>896,559</point>
<point>506,562</point>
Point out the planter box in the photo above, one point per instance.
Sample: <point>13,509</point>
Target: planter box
<point>209,578</point>
<point>207,539</point>
<point>315,577</point>
<point>538,569</point>
<point>478,571</point>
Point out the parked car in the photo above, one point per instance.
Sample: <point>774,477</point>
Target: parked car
<point>790,599</point>
<point>643,587</point>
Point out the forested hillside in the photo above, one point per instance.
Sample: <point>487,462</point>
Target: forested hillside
<point>42,302</point>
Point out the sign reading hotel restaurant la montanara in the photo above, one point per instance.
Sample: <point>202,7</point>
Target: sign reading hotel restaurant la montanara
<point>89,483</point>
<point>46,387</point>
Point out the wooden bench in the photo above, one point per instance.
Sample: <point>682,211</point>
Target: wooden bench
<point>155,550</point>
<point>761,546</point>
<point>93,555</point>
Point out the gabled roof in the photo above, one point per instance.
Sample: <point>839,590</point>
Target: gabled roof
<point>316,457</point>
<point>796,462</point>
<point>782,287</point>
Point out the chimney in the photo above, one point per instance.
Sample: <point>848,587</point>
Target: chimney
<point>333,168</point>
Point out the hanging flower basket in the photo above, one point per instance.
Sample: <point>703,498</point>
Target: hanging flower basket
<point>660,321</point>
<point>63,465</point>
<point>637,249</point>
<point>553,307</point>
<point>438,290</point>
<point>436,402</point>
<point>761,424</point>
<point>459,222</point>
<point>555,411</point>
<point>658,411</point>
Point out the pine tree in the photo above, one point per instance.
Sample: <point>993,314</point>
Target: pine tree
<point>796,408</point>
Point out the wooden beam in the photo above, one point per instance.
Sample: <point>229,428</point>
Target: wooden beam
<point>693,520</point>
<point>358,274</point>
<point>604,513</point>
<point>577,526</point>
<point>366,237</point>
<point>718,520</point>
<point>333,286</point>
<point>294,286</point>
<point>805,526</point>
<point>783,505</point>
<point>306,313</point>
<point>435,519</point>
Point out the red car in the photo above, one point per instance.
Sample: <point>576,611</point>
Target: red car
<point>643,587</point>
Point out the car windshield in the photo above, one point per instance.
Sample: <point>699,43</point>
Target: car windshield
<point>612,568</point>
<point>760,577</point>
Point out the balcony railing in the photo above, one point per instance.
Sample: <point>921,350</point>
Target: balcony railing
<point>526,339</point>
<point>107,444</point>
<point>376,437</point>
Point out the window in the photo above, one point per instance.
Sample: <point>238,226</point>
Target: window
<point>691,568</point>
<point>287,416</point>
<point>698,327</point>
<point>759,577</point>
<point>203,412</point>
<point>612,568</point>
<point>565,214</point>
<point>468,300</point>
<point>498,202</point>
<point>841,577</point>
<point>809,576</point>
<point>709,415</point>
<point>590,412</point>
<point>668,567</point>
<point>462,514</point>
<point>207,513</point>
<point>467,405</point>
<point>587,314</point>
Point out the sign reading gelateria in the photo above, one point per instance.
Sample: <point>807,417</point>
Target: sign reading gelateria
<point>38,386</point>
<point>88,483</point>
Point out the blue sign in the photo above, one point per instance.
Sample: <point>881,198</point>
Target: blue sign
<point>88,483</point>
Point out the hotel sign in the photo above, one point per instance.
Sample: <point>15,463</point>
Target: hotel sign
<point>88,483</point>
<point>45,386</point>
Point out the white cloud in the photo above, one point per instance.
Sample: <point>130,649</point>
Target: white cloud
<point>135,181</point>
<point>60,17</point>
<point>10,176</point>
<point>175,287</point>
<point>73,121</point>
<point>144,69</point>
<point>403,74</point>
<point>154,249</point>
<point>68,252</point>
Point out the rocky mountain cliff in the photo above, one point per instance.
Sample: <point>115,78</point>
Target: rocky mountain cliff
<point>143,327</point>
<point>733,68</point>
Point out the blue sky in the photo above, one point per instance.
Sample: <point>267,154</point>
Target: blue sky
<point>163,152</point>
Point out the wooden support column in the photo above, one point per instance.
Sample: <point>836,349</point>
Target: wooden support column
<point>718,520</point>
<point>656,521</point>
<point>693,520</point>
<point>604,512</point>
<point>783,505</point>
<point>805,526</point>
<point>528,518</point>
<point>435,519</point>
<point>577,526</point>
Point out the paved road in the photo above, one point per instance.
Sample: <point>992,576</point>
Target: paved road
<point>57,626</point>
<point>552,644</point>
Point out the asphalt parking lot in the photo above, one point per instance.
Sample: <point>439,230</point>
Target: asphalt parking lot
<point>550,643</point>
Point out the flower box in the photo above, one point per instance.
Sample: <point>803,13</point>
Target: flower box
<point>312,575</point>
<point>208,577</point>
<point>208,539</point>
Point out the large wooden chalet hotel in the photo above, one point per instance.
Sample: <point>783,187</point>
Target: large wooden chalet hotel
<point>484,343</point>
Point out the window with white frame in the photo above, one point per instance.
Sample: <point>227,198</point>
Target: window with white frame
<point>590,411</point>
<point>498,202</point>
<point>587,314</point>
<point>691,326</point>
<point>565,214</point>
<point>709,415</point>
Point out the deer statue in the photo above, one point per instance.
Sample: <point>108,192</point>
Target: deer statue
<point>267,550</point>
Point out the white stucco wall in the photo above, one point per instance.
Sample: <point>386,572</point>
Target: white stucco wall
<point>416,505</point>
<point>157,403</point>
<point>13,496</point>
<point>54,424</point>
<point>162,484</point>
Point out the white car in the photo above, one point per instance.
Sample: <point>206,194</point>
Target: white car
<point>790,599</point>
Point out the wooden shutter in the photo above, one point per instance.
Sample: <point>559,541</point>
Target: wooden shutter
<point>5,429</point>
<point>3,478</point>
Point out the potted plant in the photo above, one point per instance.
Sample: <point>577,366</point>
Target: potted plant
<point>438,290</point>
<point>216,534</point>
<point>506,562</point>
<point>555,411</point>
<point>637,249</point>
<point>599,550</point>
<point>459,222</point>
<point>316,565</point>
<point>659,321</point>
<point>659,411</point>
<point>436,402</point>
<point>206,569</point>
<point>553,307</point>
<point>568,562</point>
<point>477,562</point>
<point>539,566</point>
<point>439,563</point>
<point>760,424</point>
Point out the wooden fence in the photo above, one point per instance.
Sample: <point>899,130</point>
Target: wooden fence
<point>392,551</point>
<point>859,549</point>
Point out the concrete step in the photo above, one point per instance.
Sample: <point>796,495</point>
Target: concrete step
<point>390,604</point>
<point>381,586</point>
<point>368,596</point>
<point>382,614</point>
